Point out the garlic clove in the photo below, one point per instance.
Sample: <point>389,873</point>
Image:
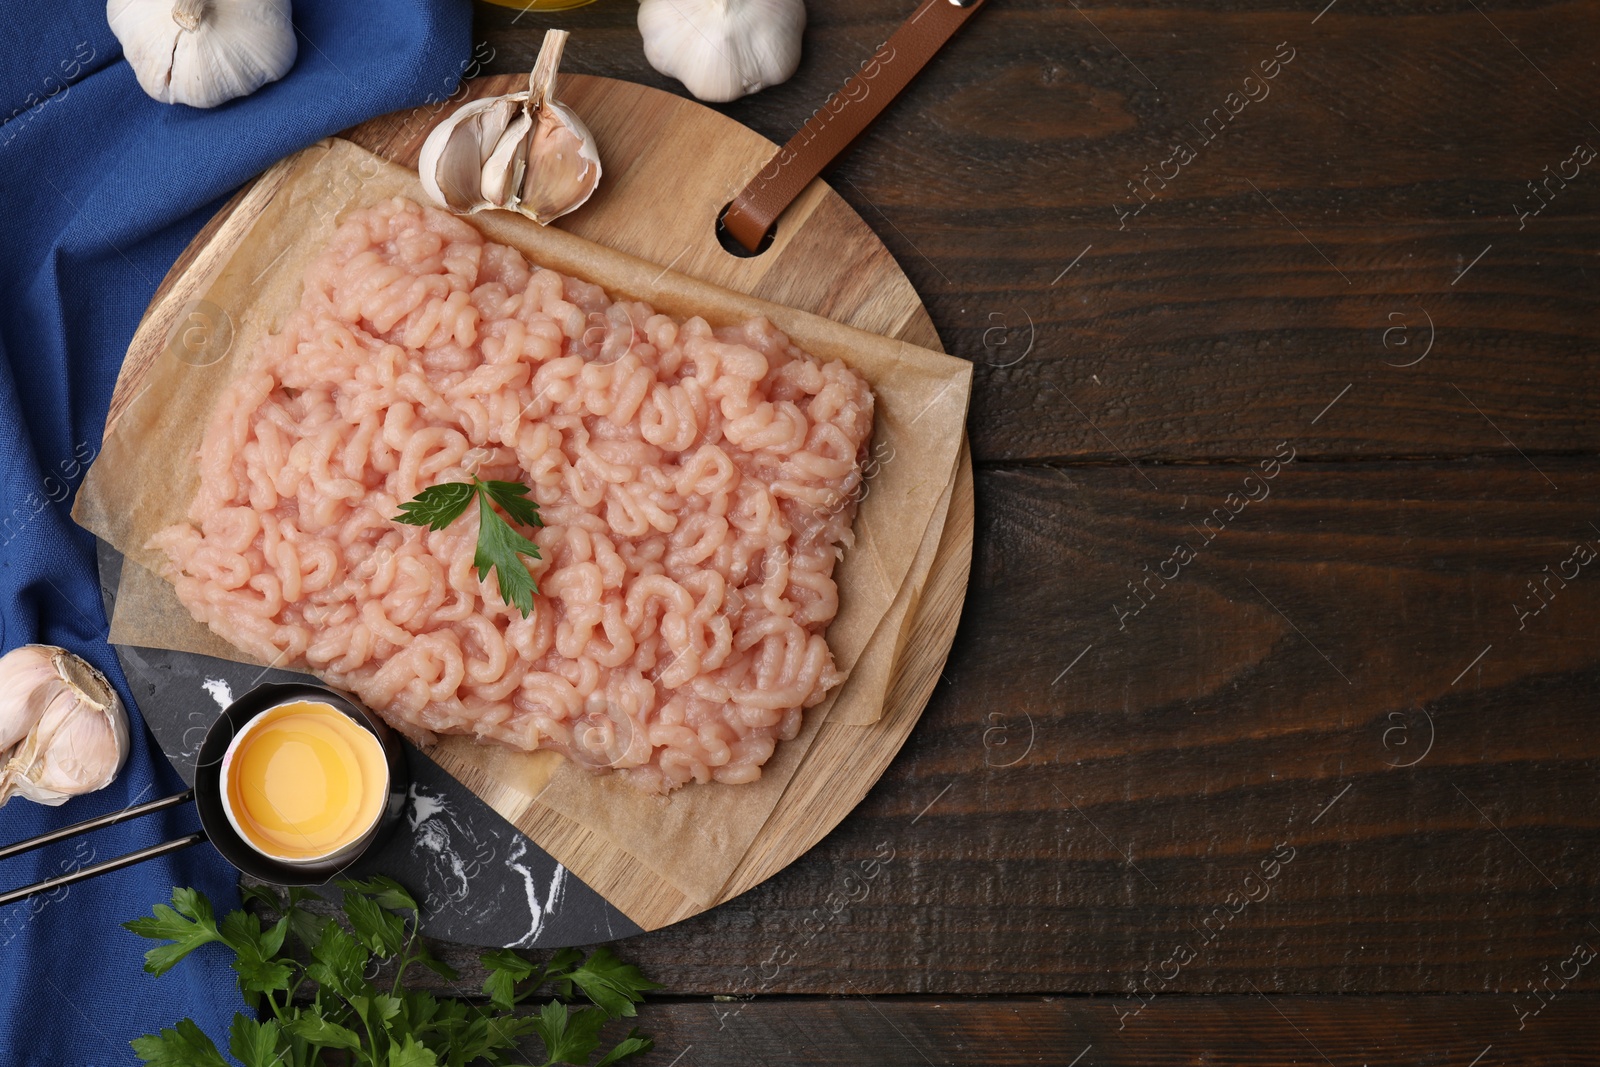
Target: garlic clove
<point>563,169</point>
<point>723,49</point>
<point>74,750</point>
<point>503,170</point>
<point>493,123</point>
<point>453,156</point>
<point>563,165</point>
<point>203,52</point>
<point>78,742</point>
<point>534,154</point>
<point>27,675</point>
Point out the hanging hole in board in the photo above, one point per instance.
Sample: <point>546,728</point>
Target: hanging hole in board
<point>730,244</point>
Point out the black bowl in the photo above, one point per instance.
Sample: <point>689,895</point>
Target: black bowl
<point>208,783</point>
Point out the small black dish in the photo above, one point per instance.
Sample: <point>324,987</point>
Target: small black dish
<point>208,782</point>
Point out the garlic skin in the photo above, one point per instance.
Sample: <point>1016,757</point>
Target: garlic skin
<point>524,152</point>
<point>723,49</point>
<point>76,735</point>
<point>454,155</point>
<point>204,52</point>
<point>27,684</point>
<point>563,167</point>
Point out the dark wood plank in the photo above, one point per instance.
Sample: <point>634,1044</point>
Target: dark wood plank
<point>1313,678</point>
<point>1319,677</point>
<point>1310,236</point>
<point>1389,1031</point>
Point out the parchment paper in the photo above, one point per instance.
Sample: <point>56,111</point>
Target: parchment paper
<point>145,478</point>
<point>874,670</point>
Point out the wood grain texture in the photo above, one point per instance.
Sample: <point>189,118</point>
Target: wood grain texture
<point>1052,832</point>
<point>1178,1031</point>
<point>825,260</point>
<point>1394,144</point>
<point>1254,1028</point>
<point>1202,335</point>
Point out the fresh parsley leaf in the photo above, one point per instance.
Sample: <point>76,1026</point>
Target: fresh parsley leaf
<point>382,931</point>
<point>264,895</point>
<point>506,969</point>
<point>411,1054</point>
<point>255,1043</point>
<point>386,891</point>
<point>505,959</point>
<point>262,975</point>
<point>184,1045</point>
<point>569,1037</point>
<point>482,1035</point>
<point>513,496</point>
<point>419,1012</point>
<point>338,963</point>
<point>438,505</point>
<point>188,924</point>
<point>614,986</point>
<point>298,895</point>
<point>448,1029</point>
<point>562,964</point>
<point>306,924</point>
<point>391,1013</point>
<point>502,989</point>
<point>635,1044</point>
<point>388,1008</point>
<point>309,1026</point>
<point>435,964</point>
<point>375,1012</point>
<point>498,547</point>
<point>348,1019</point>
<point>256,951</point>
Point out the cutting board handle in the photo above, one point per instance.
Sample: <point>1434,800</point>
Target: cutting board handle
<point>835,125</point>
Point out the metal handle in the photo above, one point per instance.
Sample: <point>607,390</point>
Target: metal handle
<point>109,819</point>
<point>101,868</point>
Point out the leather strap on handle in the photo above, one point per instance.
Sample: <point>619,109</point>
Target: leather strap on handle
<point>838,122</point>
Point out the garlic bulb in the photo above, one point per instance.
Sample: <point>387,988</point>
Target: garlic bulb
<point>723,49</point>
<point>63,730</point>
<point>523,152</point>
<point>203,52</point>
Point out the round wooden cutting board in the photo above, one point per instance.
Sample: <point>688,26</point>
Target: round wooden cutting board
<point>670,166</point>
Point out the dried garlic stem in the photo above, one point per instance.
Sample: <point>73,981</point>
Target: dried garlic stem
<point>189,13</point>
<point>542,82</point>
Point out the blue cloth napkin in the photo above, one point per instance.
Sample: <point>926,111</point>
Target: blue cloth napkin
<point>100,190</point>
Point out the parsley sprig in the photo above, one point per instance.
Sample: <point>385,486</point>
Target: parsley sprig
<point>499,546</point>
<point>346,1018</point>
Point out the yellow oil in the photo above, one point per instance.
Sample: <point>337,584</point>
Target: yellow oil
<point>306,780</point>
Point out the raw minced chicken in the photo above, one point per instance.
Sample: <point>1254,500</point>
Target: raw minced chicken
<point>696,486</point>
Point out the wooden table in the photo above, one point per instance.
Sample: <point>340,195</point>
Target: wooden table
<point>1277,679</point>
